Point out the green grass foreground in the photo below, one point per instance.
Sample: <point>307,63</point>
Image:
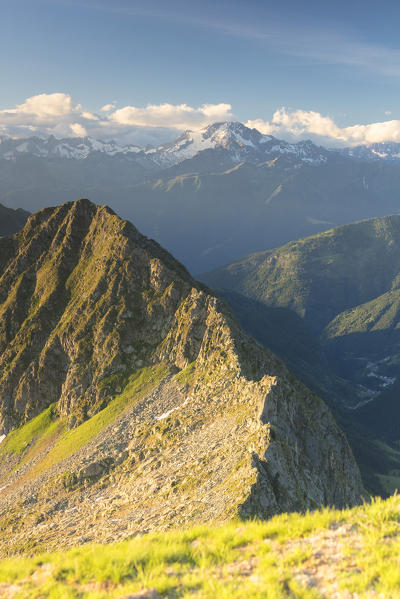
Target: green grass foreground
<point>350,553</point>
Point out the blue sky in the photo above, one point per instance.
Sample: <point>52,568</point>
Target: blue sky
<point>340,60</point>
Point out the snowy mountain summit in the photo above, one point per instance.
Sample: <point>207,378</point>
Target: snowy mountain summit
<point>385,151</point>
<point>76,148</point>
<point>242,143</point>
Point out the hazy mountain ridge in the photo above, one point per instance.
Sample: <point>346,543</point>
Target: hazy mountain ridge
<point>11,220</point>
<point>384,151</point>
<point>343,283</point>
<point>302,274</point>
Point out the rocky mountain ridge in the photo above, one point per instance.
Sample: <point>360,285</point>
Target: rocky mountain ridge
<point>377,152</point>
<point>242,143</point>
<point>132,400</point>
<point>72,148</point>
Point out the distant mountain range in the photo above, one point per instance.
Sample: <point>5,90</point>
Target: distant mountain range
<point>211,196</point>
<point>389,151</point>
<point>244,144</point>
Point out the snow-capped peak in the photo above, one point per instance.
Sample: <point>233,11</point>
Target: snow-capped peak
<point>387,151</point>
<point>243,144</point>
<point>76,148</point>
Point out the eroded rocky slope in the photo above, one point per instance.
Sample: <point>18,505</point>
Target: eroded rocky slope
<point>131,399</point>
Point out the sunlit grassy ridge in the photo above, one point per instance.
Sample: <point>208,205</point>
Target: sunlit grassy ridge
<point>139,383</point>
<point>30,437</point>
<point>18,440</point>
<point>353,552</point>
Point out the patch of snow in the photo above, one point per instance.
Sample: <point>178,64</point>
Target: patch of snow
<point>22,147</point>
<point>2,437</point>
<point>169,412</point>
<point>71,148</point>
<point>380,154</point>
<point>362,403</point>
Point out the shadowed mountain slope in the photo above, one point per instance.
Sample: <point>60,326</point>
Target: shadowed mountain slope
<point>324,275</point>
<point>343,287</point>
<point>11,220</point>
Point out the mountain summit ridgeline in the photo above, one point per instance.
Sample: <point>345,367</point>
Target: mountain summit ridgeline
<point>132,400</point>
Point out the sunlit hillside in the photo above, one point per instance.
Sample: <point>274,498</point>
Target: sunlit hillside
<point>349,554</point>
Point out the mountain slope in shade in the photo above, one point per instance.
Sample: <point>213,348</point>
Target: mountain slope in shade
<point>325,275</point>
<point>371,428</point>
<point>131,399</point>
<point>344,286</point>
<point>11,220</point>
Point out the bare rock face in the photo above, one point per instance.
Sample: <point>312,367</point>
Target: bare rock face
<point>83,297</point>
<point>137,397</point>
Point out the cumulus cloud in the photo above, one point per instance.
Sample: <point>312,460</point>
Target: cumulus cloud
<point>47,105</point>
<point>181,116</point>
<point>78,129</point>
<point>42,114</point>
<point>300,124</point>
<point>107,107</point>
<point>59,114</point>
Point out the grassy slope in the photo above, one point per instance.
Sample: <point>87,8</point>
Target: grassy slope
<point>28,439</point>
<point>306,556</point>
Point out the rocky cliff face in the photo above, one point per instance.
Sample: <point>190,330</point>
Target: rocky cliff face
<point>131,399</point>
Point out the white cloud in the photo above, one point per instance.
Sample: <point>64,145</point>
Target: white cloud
<point>60,115</point>
<point>89,116</point>
<point>300,124</point>
<point>47,105</point>
<point>181,116</point>
<point>43,113</point>
<point>107,107</point>
<point>78,129</point>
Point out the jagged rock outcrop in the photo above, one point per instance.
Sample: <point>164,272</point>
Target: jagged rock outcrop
<point>139,400</point>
